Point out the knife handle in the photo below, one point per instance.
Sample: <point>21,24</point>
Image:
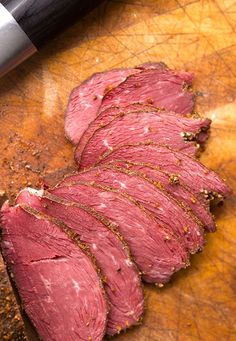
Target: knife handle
<point>26,24</point>
<point>40,19</point>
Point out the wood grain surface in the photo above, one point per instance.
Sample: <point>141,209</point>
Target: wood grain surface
<point>200,302</point>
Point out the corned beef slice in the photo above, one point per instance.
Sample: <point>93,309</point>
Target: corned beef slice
<point>60,288</point>
<point>178,190</point>
<point>122,282</point>
<point>161,87</point>
<point>165,208</point>
<point>169,91</point>
<point>155,127</point>
<point>157,253</point>
<point>189,171</point>
<point>86,99</point>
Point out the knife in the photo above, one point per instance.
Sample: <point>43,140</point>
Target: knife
<point>25,25</point>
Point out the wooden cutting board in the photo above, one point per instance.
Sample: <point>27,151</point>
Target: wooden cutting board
<point>200,302</point>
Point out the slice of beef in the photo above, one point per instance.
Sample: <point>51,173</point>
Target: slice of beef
<point>178,190</point>
<point>107,116</point>
<point>187,170</point>
<point>157,253</point>
<point>161,87</point>
<point>86,99</point>
<point>152,127</point>
<point>122,281</point>
<point>168,211</point>
<point>58,282</point>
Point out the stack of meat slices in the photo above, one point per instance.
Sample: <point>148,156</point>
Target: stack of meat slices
<point>140,204</point>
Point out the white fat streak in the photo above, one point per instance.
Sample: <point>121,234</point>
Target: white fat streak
<point>120,183</point>
<point>128,262</point>
<point>87,106</point>
<point>145,130</point>
<point>47,283</point>
<point>126,92</point>
<point>94,246</point>
<point>102,206</point>
<point>114,259</point>
<point>106,144</point>
<point>76,286</point>
<point>7,244</point>
<point>49,299</point>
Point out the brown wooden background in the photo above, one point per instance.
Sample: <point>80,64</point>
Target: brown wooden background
<point>200,303</point>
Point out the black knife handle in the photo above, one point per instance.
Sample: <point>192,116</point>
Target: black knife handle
<point>42,18</point>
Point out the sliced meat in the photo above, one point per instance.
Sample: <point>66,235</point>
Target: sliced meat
<point>161,87</point>
<point>157,253</point>
<point>106,117</point>
<point>165,208</point>
<point>152,127</point>
<point>58,282</point>
<point>122,282</point>
<point>86,99</point>
<point>178,190</point>
<point>109,114</point>
<point>189,171</point>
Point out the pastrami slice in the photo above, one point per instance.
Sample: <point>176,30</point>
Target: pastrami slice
<point>157,253</point>
<point>200,179</point>
<point>168,211</point>
<point>187,77</point>
<point>118,87</point>
<point>161,87</point>
<point>58,283</point>
<point>178,190</point>
<point>138,127</point>
<point>122,281</point>
<point>104,118</point>
<point>86,99</point>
